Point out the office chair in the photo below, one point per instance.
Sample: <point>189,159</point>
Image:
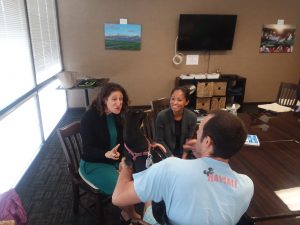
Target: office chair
<point>71,143</point>
<point>158,105</point>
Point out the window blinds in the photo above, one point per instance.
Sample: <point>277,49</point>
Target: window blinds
<point>16,73</point>
<point>45,40</point>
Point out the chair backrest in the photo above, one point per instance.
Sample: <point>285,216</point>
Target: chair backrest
<point>159,104</point>
<point>149,125</point>
<point>71,143</point>
<point>288,94</point>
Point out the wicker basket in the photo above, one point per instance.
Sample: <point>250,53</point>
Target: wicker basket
<point>219,88</point>
<point>203,103</point>
<point>205,89</point>
<point>217,103</point>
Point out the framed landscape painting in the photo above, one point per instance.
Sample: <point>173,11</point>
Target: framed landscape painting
<point>277,38</point>
<point>122,36</point>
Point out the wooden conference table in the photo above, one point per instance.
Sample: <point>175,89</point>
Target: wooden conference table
<point>273,166</point>
<point>282,221</point>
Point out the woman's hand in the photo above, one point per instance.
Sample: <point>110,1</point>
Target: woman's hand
<point>113,154</point>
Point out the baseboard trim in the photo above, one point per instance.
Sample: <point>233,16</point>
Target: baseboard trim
<point>256,103</point>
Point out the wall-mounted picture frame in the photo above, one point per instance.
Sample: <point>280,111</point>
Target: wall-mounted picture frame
<point>122,36</point>
<point>277,38</point>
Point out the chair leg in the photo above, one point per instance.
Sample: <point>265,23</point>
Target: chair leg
<point>100,211</point>
<point>75,198</point>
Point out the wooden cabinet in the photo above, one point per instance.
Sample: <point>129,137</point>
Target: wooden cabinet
<point>214,94</point>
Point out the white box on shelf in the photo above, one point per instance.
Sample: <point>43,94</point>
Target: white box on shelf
<point>200,76</point>
<point>213,76</point>
<point>186,77</point>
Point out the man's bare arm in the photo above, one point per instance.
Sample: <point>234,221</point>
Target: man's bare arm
<point>124,193</point>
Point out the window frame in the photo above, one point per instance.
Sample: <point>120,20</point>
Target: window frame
<point>34,92</point>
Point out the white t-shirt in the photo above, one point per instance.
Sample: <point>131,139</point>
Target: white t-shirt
<point>199,191</point>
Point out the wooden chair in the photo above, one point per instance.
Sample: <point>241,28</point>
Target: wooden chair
<point>148,125</point>
<point>288,94</point>
<point>71,143</point>
<point>158,105</point>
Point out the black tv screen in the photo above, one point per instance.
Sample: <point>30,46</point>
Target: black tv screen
<point>205,32</point>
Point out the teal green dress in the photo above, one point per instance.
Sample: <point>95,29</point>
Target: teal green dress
<point>102,175</point>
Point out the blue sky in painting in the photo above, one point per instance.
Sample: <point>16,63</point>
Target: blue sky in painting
<point>122,29</point>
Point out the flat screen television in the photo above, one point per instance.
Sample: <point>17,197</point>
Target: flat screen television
<point>205,32</point>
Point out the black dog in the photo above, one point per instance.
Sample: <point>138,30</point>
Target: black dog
<point>138,147</point>
<point>136,144</point>
<point>139,150</point>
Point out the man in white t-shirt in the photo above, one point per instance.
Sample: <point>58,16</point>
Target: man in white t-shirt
<point>200,191</point>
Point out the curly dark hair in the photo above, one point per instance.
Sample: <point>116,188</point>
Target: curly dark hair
<point>227,132</point>
<point>184,90</point>
<point>105,91</point>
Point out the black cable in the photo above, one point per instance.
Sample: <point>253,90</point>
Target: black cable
<point>291,140</point>
<point>208,62</point>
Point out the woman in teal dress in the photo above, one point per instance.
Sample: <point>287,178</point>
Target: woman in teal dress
<point>101,129</point>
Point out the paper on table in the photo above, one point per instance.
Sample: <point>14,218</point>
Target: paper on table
<point>275,107</point>
<point>291,197</point>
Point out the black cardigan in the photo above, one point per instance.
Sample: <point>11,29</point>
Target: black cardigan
<point>95,137</point>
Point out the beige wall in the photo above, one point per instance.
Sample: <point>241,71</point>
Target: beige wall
<point>149,73</point>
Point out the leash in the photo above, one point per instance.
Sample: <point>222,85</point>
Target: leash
<point>135,155</point>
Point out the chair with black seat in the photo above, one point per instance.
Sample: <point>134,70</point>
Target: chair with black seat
<point>158,105</point>
<point>71,142</point>
<point>148,125</point>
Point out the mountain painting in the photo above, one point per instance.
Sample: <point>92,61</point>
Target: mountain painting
<point>122,36</point>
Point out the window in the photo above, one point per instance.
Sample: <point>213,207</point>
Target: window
<point>53,106</point>
<point>44,35</point>
<point>30,105</point>
<point>20,141</point>
<point>16,71</point>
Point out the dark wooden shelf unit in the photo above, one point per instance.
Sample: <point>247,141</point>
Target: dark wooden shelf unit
<point>213,94</point>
